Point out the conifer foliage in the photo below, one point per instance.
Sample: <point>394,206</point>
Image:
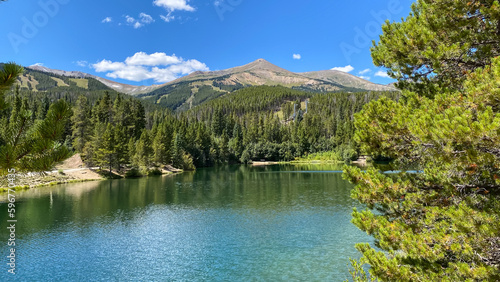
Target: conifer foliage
<point>439,42</point>
<point>28,143</point>
<point>439,218</point>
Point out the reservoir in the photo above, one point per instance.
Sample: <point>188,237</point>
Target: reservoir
<point>231,223</point>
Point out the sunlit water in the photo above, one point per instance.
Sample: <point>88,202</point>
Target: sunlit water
<point>274,223</point>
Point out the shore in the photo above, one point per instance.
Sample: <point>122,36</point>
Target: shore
<point>72,170</point>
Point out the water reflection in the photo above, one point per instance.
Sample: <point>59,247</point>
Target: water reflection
<point>274,222</point>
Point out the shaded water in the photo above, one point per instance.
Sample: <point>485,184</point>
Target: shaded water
<point>236,223</point>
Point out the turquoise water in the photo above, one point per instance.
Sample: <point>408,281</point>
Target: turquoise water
<point>241,223</point>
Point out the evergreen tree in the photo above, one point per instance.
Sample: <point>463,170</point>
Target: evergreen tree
<point>224,153</point>
<point>138,118</point>
<point>102,112</point>
<point>217,122</point>
<point>28,146</point>
<point>106,152</point>
<point>177,151</point>
<point>236,143</point>
<point>92,154</point>
<point>441,223</point>
<point>8,77</point>
<point>159,147</point>
<point>81,123</point>
<point>131,149</point>
<point>439,42</point>
<point>143,151</point>
<point>43,108</point>
<point>121,146</point>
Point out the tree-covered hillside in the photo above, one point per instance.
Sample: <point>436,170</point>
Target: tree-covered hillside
<point>116,131</point>
<point>196,88</point>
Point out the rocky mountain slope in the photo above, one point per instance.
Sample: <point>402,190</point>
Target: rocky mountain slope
<point>199,87</point>
<point>120,87</point>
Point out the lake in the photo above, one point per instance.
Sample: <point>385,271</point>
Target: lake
<point>234,223</point>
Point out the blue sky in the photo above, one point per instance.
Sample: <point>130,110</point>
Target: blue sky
<point>154,41</point>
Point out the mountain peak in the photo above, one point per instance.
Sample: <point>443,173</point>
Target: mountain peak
<point>261,61</point>
<point>260,64</point>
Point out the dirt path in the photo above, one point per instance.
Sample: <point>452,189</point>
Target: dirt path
<point>75,169</point>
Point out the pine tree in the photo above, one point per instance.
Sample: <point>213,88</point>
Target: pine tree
<point>81,124</point>
<point>217,122</point>
<point>236,143</point>
<point>224,153</point>
<point>439,42</point>
<point>43,108</point>
<point>8,77</point>
<point>28,146</point>
<point>177,151</point>
<point>121,146</point>
<point>103,110</point>
<point>138,118</point>
<point>106,152</point>
<point>143,151</point>
<point>92,154</point>
<point>439,223</point>
<point>131,149</point>
<point>159,147</point>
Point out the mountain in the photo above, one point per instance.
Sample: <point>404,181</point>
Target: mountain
<point>41,79</point>
<point>347,80</point>
<point>120,87</point>
<point>259,72</point>
<point>198,87</point>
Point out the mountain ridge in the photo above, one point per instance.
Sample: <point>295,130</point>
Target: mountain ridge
<point>199,87</point>
<point>120,87</point>
<point>258,65</point>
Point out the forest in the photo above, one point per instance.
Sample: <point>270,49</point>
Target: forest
<point>117,132</point>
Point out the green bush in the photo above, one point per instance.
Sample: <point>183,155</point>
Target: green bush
<point>154,171</point>
<point>187,162</point>
<point>132,173</point>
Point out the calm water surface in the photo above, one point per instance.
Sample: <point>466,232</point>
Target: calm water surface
<point>241,223</point>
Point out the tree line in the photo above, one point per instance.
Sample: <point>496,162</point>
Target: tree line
<point>250,124</point>
<point>118,132</point>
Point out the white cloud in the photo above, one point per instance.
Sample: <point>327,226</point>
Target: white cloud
<point>145,18</point>
<point>172,5</point>
<point>168,18</point>
<point>106,65</point>
<point>348,68</point>
<point>365,71</point>
<point>129,19</point>
<point>382,74</point>
<point>37,65</point>
<point>82,63</point>
<point>107,20</point>
<point>297,56</point>
<point>365,77</point>
<point>155,59</point>
<point>157,66</point>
